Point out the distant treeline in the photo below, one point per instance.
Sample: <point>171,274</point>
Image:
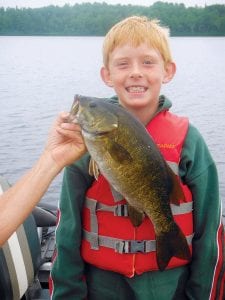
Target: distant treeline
<point>95,19</point>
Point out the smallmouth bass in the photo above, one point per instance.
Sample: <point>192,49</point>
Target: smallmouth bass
<point>129,159</point>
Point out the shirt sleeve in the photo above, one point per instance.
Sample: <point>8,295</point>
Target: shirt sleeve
<point>68,267</point>
<point>198,171</point>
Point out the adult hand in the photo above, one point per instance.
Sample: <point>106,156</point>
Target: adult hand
<point>65,142</point>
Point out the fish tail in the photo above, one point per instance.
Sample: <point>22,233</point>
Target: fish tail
<point>171,244</point>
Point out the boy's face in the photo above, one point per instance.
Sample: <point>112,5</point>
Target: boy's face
<point>137,74</point>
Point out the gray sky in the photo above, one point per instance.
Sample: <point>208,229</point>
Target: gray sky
<point>40,3</point>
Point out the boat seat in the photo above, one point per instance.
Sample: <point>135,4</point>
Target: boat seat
<point>20,261</point>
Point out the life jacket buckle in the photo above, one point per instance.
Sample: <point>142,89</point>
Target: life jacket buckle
<point>137,246</point>
<point>131,247</point>
<point>121,210</point>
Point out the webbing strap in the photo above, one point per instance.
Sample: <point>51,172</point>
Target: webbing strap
<point>122,246</point>
<point>118,210</point>
<point>126,246</point>
<point>116,195</point>
<point>121,210</point>
<point>94,224</point>
<point>183,208</point>
<point>173,166</point>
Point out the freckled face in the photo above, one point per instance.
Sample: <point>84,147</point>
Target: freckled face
<point>136,74</point>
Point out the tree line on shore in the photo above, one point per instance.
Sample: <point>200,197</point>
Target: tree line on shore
<point>95,19</point>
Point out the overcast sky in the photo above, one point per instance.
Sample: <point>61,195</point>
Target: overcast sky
<point>40,3</point>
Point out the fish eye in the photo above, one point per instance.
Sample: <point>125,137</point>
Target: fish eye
<point>92,104</point>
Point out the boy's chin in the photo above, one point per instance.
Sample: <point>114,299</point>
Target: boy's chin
<point>139,101</point>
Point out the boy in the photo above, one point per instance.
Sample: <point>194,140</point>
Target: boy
<point>137,61</point>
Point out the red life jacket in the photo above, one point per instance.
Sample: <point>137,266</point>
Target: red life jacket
<point>110,241</point>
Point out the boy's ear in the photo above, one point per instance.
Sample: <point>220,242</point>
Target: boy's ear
<point>105,74</point>
<point>170,71</point>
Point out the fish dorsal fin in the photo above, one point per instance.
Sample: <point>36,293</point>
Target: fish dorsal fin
<point>119,153</point>
<point>93,169</point>
<point>176,194</point>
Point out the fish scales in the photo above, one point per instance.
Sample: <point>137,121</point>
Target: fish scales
<point>130,160</point>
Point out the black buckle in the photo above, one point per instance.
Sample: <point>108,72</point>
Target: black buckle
<point>131,247</point>
<point>121,210</point>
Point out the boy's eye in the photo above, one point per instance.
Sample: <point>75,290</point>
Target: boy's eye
<point>147,62</point>
<point>122,64</point>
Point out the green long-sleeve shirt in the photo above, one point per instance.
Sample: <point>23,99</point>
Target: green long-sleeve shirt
<point>199,280</point>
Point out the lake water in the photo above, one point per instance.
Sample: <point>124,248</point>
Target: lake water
<point>40,75</point>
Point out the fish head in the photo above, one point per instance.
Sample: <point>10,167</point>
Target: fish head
<point>93,115</point>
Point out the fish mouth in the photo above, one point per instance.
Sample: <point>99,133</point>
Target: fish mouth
<point>75,107</point>
<point>93,121</point>
<point>137,89</point>
<point>74,111</point>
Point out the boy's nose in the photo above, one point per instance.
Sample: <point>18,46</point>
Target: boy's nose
<point>135,72</point>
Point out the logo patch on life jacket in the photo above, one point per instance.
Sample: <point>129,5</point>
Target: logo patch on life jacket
<point>166,146</point>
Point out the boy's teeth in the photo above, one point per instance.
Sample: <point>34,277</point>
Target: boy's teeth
<point>136,89</point>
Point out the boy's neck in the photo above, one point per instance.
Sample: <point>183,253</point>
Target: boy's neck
<point>145,115</point>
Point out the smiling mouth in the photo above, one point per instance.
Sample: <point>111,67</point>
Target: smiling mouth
<point>136,89</point>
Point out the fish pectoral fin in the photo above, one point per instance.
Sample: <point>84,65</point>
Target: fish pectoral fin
<point>119,153</point>
<point>171,244</point>
<point>93,169</point>
<point>135,216</point>
<point>176,194</point>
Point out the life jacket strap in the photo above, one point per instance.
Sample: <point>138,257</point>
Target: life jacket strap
<point>92,205</point>
<point>116,195</point>
<point>126,246</point>
<point>173,166</point>
<point>121,210</point>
